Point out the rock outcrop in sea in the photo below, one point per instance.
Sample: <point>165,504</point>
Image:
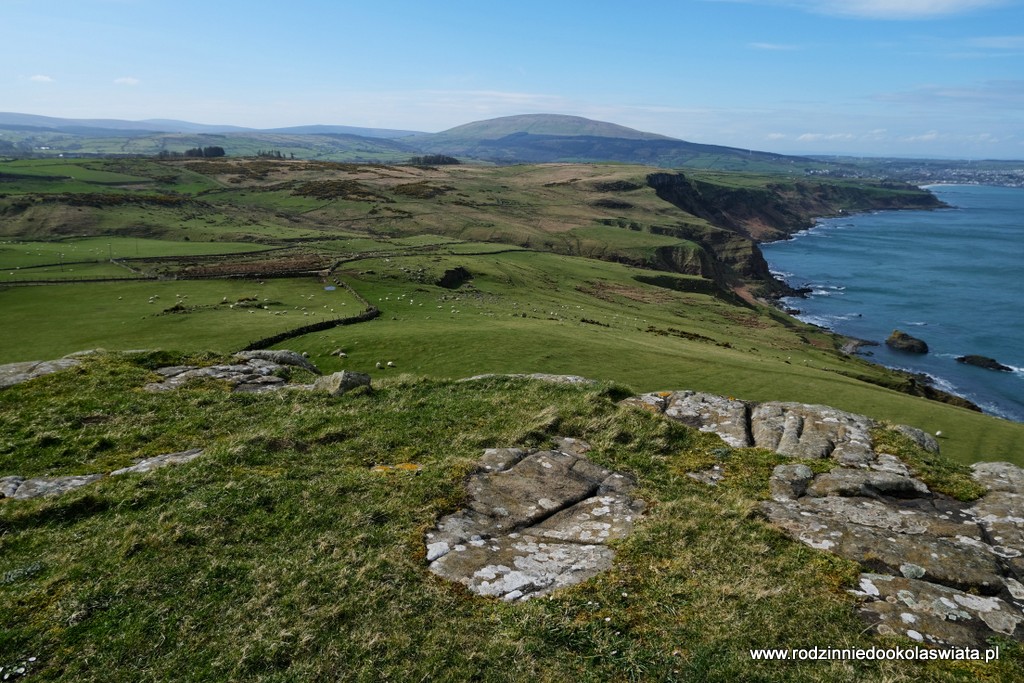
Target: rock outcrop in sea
<point>983,362</point>
<point>901,341</point>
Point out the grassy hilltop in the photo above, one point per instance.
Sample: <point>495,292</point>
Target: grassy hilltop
<point>283,554</point>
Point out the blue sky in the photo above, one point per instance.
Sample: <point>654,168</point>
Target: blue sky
<point>894,77</point>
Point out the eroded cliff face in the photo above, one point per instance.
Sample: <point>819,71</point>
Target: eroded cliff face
<point>780,209</point>
<point>744,216</point>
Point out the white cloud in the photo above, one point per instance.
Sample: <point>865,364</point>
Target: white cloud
<point>930,136</point>
<point>882,9</point>
<point>776,136</point>
<point>127,80</point>
<point>40,78</point>
<point>819,137</point>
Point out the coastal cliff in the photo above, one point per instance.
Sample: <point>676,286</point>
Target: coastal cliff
<point>778,209</point>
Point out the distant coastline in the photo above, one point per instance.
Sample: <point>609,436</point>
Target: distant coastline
<point>846,285</point>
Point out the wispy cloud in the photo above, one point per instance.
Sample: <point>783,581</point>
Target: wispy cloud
<point>773,47</point>
<point>985,95</point>
<point>40,78</point>
<point>126,80</point>
<point>882,9</point>
<point>998,42</point>
<point>819,137</point>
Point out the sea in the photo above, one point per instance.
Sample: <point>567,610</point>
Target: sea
<point>951,277</point>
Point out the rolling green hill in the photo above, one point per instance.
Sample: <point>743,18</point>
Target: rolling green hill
<point>292,547</point>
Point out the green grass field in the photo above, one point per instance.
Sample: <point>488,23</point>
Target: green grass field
<point>280,554</point>
<point>59,319</point>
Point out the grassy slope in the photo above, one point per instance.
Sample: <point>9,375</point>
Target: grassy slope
<point>281,556</point>
<point>419,218</point>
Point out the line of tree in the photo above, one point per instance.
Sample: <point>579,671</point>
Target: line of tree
<point>195,152</point>
<point>206,152</point>
<point>434,160</point>
<point>272,154</point>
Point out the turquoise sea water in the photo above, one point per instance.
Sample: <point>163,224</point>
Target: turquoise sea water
<point>951,277</point>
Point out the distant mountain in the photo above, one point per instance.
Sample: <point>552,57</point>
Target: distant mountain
<point>528,138</point>
<point>539,124</point>
<point>541,138</point>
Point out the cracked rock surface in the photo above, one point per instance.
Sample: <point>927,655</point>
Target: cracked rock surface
<point>797,430</point>
<point>936,570</point>
<point>536,521</point>
<point>255,371</point>
<point>22,488</point>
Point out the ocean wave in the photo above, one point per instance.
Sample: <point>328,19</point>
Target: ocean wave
<point>825,321</point>
<point>913,323</point>
<point>825,290</point>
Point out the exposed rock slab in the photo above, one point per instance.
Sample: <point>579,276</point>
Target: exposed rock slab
<point>535,521</point>
<point>257,371</point>
<point>279,357</point>
<point>21,488</point>
<point>794,429</point>
<point>937,570</point>
<point>16,373</point>
<point>158,461</point>
<point>541,376</point>
<point>942,572</point>
<point>934,614</point>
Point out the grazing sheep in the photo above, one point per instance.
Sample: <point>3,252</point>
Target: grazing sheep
<point>379,365</point>
<point>391,364</point>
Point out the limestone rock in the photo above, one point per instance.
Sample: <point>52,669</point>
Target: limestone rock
<point>844,481</point>
<point>16,373</point>
<point>920,437</point>
<point>789,482</point>
<point>726,417</point>
<point>20,488</point>
<point>540,376</point>
<point>340,382</point>
<point>280,357</point>
<point>794,429</point>
<point>999,476</point>
<point>936,615</point>
<point>252,375</point>
<point>158,461</point>
<point>812,431</point>
<point>536,521</point>
<point>953,571</point>
<point>901,341</point>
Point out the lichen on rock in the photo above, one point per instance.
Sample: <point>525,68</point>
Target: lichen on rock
<point>535,521</point>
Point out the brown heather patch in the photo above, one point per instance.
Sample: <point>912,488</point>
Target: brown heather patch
<point>607,291</point>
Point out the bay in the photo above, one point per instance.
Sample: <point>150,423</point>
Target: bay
<point>951,277</point>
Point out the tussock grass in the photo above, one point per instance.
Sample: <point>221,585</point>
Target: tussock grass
<point>280,555</point>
